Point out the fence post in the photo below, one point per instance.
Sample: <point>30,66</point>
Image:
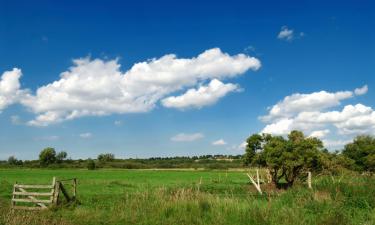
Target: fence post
<point>309,180</point>
<point>74,188</point>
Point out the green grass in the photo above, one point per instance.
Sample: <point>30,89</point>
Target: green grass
<point>172,197</point>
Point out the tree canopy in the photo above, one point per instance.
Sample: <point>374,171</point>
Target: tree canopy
<point>47,156</point>
<point>286,158</point>
<point>362,152</point>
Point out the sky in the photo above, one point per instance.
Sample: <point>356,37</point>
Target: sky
<point>171,78</point>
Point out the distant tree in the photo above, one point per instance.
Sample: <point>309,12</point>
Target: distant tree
<point>106,157</point>
<point>285,158</point>
<point>253,145</point>
<point>362,152</point>
<point>61,156</point>
<point>47,156</point>
<point>12,160</point>
<point>91,164</point>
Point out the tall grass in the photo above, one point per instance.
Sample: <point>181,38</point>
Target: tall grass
<point>349,201</point>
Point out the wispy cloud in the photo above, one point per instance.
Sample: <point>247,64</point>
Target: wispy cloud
<point>287,34</point>
<point>183,137</point>
<point>86,135</point>
<point>219,142</point>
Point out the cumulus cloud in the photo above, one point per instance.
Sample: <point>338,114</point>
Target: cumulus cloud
<point>361,91</point>
<point>313,114</point>
<point>203,96</point>
<point>183,137</point>
<point>10,88</point>
<point>289,34</point>
<point>219,142</point>
<point>86,135</point>
<point>98,88</point>
<point>296,103</point>
<point>319,133</point>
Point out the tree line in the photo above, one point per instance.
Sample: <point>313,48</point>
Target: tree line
<point>289,158</point>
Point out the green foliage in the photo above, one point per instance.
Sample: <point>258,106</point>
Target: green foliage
<point>362,152</point>
<point>115,197</point>
<point>91,164</point>
<point>285,158</point>
<point>106,157</point>
<point>13,161</point>
<point>47,156</point>
<point>61,156</point>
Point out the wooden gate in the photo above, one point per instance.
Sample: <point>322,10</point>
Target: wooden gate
<point>39,197</point>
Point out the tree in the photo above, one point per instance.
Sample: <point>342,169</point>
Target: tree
<point>253,145</point>
<point>47,156</point>
<point>61,156</point>
<point>91,164</point>
<point>362,152</point>
<point>12,160</point>
<point>285,158</point>
<point>107,157</point>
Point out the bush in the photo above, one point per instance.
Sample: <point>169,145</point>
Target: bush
<point>91,164</point>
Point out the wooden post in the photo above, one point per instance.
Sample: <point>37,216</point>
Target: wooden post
<point>13,196</point>
<point>74,188</point>
<point>56,193</point>
<point>309,179</point>
<point>199,185</point>
<point>258,178</point>
<point>255,184</point>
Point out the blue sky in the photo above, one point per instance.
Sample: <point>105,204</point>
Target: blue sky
<point>243,58</point>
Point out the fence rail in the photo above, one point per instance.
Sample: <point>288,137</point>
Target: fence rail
<point>36,198</point>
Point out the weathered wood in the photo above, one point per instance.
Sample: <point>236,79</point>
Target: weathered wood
<point>14,189</point>
<point>258,178</point>
<point>255,184</point>
<point>74,188</point>
<point>33,186</point>
<point>32,193</point>
<point>31,197</point>
<point>65,193</point>
<point>309,180</point>
<point>56,193</point>
<point>31,200</point>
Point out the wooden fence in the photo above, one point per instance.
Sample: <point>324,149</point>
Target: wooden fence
<point>39,197</point>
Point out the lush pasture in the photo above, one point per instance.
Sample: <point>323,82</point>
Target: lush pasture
<point>175,197</point>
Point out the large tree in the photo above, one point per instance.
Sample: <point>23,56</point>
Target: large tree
<point>362,152</point>
<point>47,156</point>
<point>286,158</point>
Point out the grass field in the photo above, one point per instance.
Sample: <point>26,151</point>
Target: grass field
<point>173,197</point>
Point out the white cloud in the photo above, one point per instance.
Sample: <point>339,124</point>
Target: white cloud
<point>319,133</point>
<point>361,91</point>
<point>289,34</point>
<point>280,127</point>
<point>10,88</point>
<point>182,137</point>
<point>86,135</point>
<point>97,87</point>
<point>241,147</point>
<point>203,96</point>
<point>296,103</point>
<point>312,114</point>
<point>286,34</point>
<point>219,142</point>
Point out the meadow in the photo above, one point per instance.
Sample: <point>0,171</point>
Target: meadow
<point>192,197</point>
